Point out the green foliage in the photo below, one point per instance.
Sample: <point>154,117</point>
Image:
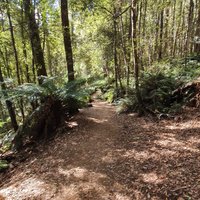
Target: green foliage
<point>106,86</point>
<point>109,95</point>
<point>73,90</point>
<point>157,85</point>
<point>104,83</point>
<point>2,124</point>
<point>3,165</point>
<point>74,94</point>
<point>6,140</point>
<point>156,88</point>
<point>127,104</point>
<point>185,69</point>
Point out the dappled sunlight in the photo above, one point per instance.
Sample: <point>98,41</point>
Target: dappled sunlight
<point>26,189</point>
<point>119,196</point>
<point>81,174</point>
<point>76,172</point>
<point>116,157</point>
<point>98,121</point>
<point>174,144</point>
<point>152,178</point>
<point>143,155</point>
<point>194,140</point>
<point>109,158</point>
<point>163,152</point>
<point>89,190</point>
<point>70,192</point>
<point>88,184</point>
<point>101,104</point>
<point>72,124</point>
<point>183,125</point>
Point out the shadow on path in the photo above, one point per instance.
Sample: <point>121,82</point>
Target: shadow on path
<point>106,156</point>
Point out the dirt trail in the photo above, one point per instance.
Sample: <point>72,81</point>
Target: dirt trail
<point>109,156</point>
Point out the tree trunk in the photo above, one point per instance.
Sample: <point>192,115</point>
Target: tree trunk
<point>197,33</point>
<point>13,43</point>
<point>173,39</point>
<point>115,54</point>
<point>67,39</point>
<point>160,53</point>
<point>166,32</point>
<point>125,55</point>
<point>9,105</point>
<point>156,49</point>
<point>35,40</point>
<point>176,49</point>
<point>135,50</point>
<point>24,45</point>
<point>190,27</point>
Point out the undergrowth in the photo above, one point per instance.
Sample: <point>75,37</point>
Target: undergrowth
<point>157,83</point>
<point>73,95</point>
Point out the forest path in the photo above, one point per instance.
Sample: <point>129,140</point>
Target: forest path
<point>111,157</point>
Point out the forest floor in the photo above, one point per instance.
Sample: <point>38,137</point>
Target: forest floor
<point>109,156</point>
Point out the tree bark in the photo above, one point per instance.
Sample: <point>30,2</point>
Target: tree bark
<point>9,104</point>
<point>35,40</point>
<point>160,53</point>
<point>24,45</point>
<point>190,27</point>
<point>115,53</point>
<point>135,48</point>
<point>67,39</point>
<point>13,43</point>
<point>197,33</point>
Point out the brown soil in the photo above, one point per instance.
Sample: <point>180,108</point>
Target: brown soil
<point>110,156</point>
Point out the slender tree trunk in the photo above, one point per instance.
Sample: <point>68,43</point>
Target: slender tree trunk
<point>144,18</point>
<point>182,40</point>
<point>166,32</point>
<point>49,56</point>
<point>125,56</point>
<point>197,33</point>
<point>160,53</point>
<point>190,26</point>
<point>9,104</point>
<point>5,62</point>
<point>115,54</point>
<point>156,49</point>
<point>67,39</point>
<point>24,45</point>
<point>35,40</point>
<point>140,39</point>
<point>5,58</point>
<point>173,39</point>
<point>13,43</point>
<point>18,69</point>
<point>135,48</point>
<point>177,34</point>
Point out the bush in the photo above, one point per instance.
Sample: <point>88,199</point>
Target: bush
<point>52,101</point>
<point>157,85</point>
<point>156,90</point>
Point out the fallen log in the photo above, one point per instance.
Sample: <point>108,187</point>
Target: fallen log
<point>189,94</point>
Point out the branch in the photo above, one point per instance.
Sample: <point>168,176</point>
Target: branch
<point>106,10</point>
<point>120,14</point>
<point>115,15</point>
